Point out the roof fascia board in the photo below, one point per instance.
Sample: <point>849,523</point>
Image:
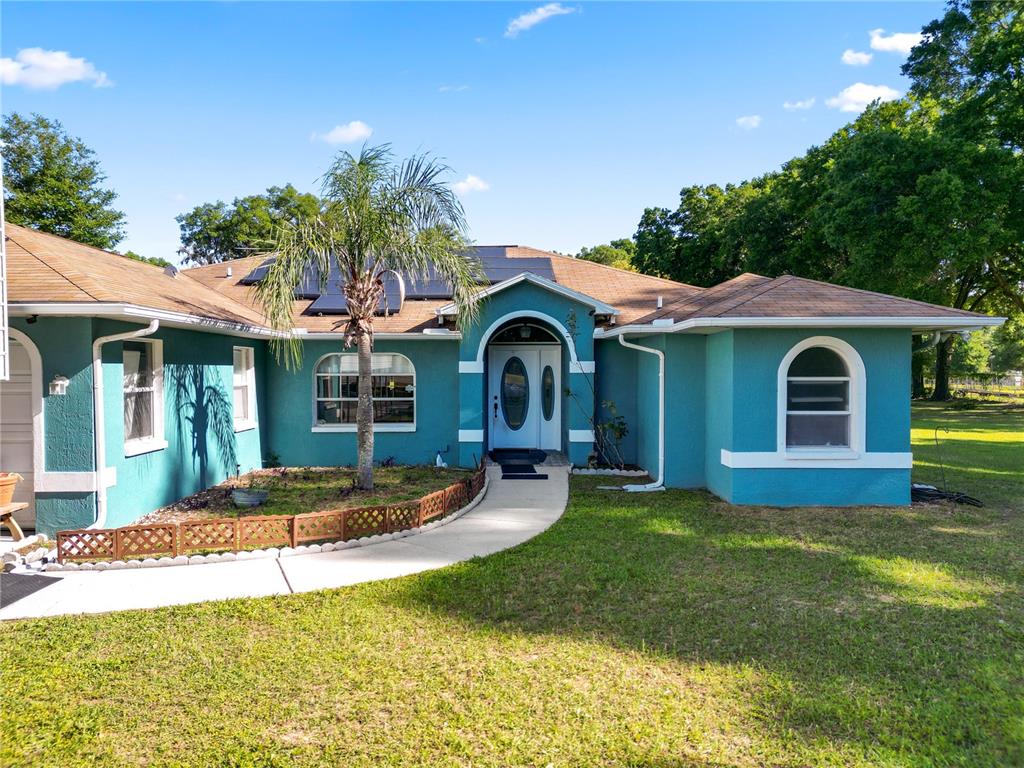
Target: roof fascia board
<point>914,323</point>
<point>427,335</point>
<point>120,311</point>
<point>599,306</point>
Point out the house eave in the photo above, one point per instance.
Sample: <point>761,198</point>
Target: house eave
<point>714,324</point>
<point>133,312</point>
<point>428,334</point>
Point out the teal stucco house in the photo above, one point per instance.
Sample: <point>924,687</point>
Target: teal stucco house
<point>132,386</point>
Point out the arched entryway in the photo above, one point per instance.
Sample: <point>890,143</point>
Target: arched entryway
<point>524,386</point>
<point>20,408</point>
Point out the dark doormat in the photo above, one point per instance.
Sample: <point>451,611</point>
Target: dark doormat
<point>522,455</point>
<point>14,586</point>
<point>520,470</point>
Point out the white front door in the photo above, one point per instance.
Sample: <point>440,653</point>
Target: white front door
<point>16,430</point>
<point>524,396</point>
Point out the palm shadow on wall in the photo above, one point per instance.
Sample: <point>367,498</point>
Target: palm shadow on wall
<point>205,423</point>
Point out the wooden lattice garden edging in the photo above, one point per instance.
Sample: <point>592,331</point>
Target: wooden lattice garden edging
<point>228,534</point>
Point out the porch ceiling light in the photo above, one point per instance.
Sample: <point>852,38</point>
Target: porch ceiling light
<point>59,385</point>
<point>524,331</point>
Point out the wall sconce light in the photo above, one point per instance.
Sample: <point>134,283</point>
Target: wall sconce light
<point>59,385</point>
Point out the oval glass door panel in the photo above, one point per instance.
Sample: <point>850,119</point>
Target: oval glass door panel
<point>547,389</point>
<point>515,393</point>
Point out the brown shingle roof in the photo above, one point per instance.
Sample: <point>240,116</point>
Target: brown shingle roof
<point>751,295</point>
<point>44,268</point>
<point>631,293</point>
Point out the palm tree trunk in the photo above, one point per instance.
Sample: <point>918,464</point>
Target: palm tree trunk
<point>364,410</point>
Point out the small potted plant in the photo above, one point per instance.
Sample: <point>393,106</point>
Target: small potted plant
<point>249,496</point>
<point>8,481</point>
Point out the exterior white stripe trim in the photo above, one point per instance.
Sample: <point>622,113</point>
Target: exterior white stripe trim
<point>581,435</point>
<point>471,435</point>
<point>471,366</point>
<point>599,306</point>
<point>853,460</point>
<point>581,366</point>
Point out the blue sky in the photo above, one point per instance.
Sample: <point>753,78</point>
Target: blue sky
<point>562,121</point>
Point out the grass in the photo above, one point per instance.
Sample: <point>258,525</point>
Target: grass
<point>295,490</point>
<point>660,630</point>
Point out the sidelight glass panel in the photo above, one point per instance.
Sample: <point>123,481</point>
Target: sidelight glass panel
<point>547,388</point>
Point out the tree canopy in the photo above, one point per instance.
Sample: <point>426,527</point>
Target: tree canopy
<point>53,183</point>
<point>618,253</point>
<point>215,232</point>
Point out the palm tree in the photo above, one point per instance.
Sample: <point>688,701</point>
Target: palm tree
<point>379,216</point>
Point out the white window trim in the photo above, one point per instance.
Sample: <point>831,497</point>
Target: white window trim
<point>156,441</point>
<point>244,425</point>
<point>351,428</point>
<point>857,397</point>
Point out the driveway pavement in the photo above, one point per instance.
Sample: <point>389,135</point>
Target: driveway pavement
<point>511,512</point>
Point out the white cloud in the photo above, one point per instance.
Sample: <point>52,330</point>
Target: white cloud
<point>348,133</point>
<point>856,97</point>
<point>453,88</point>
<point>532,18</point>
<point>856,58</point>
<point>748,122</point>
<point>46,70</point>
<point>470,184</point>
<point>792,106</point>
<point>897,42</point>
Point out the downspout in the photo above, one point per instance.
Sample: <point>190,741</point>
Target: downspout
<point>659,482</point>
<point>98,431</point>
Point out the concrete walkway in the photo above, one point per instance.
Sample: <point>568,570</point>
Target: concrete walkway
<point>511,512</point>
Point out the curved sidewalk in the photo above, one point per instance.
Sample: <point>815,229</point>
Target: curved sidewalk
<point>511,512</point>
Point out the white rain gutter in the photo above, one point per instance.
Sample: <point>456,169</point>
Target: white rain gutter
<point>659,482</point>
<point>98,430</point>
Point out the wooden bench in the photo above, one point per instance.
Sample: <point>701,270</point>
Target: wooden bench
<point>7,518</point>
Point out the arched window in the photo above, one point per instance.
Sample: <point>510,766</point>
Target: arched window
<point>821,391</point>
<point>337,392</point>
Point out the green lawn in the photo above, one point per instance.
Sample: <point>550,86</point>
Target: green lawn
<point>644,630</point>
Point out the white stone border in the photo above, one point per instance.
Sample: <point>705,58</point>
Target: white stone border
<point>610,472</point>
<point>257,554</point>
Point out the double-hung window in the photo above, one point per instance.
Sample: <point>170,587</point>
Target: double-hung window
<point>336,393</point>
<point>142,385</point>
<point>818,401</point>
<point>244,388</point>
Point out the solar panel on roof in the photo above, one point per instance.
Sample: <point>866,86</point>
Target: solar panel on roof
<point>496,266</point>
<point>257,274</point>
<point>499,269</point>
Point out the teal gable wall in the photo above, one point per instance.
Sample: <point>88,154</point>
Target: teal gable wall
<point>718,411</point>
<point>886,356</point>
<point>616,380</point>
<point>202,447</point>
<point>290,418</point>
<point>65,347</point>
<point>519,301</point>
<point>684,410</point>
<point>757,354</point>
